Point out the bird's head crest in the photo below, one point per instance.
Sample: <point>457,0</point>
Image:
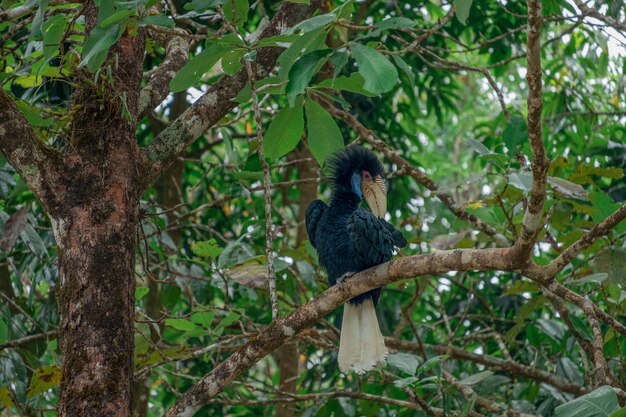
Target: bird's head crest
<point>357,170</point>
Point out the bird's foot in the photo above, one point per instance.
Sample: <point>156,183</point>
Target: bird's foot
<point>341,279</point>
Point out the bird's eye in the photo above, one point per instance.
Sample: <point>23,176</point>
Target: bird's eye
<point>366,175</point>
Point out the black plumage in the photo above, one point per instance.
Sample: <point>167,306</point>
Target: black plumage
<point>349,238</point>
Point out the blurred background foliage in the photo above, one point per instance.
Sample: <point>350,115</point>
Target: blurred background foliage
<point>201,265</point>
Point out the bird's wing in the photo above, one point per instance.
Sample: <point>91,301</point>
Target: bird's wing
<point>313,215</point>
<point>398,237</point>
<point>370,236</point>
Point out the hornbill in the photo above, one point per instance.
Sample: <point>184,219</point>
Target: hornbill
<point>350,239</point>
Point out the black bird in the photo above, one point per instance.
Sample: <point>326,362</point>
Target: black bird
<point>350,239</point>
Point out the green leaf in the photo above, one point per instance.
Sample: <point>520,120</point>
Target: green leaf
<point>462,9</point>
<point>476,378</point>
<point>379,73</point>
<point>521,180</point>
<point>117,17</point>
<point>97,46</point>
<point>141,292</point>
<point>198,66</point>
<point>405,382</point>
<point>601,402</point>
<point>206,249</point>
<point>284,132</point>
<point>324,136</point>
<point>33,115</point>
<point>392,23</point>
<point>567,188</point>
<point>619,413</point>
<point>400,63</point>
<point>4,332</point>
<point>231,61</point>
<point>581,326</point>
<point>6,400</point>
<point>158,20</point>
<point>201,6</point>
<point>477,146</point>
<point>308,42</point>
<point>236,11</point>
<point>43,379</point>
<point>204,319</point>
<point>404,362</point>
<point>180,324</point>
<point>38,19</point>
<point>30,236</point>
<point>353,83</point>
<point>515,133</point>
<point>595,278</point>
<point>302,71</point>
<point>315,22</point>
<point>432,362</point>
<point>53,31</point>
<point>230,318</point>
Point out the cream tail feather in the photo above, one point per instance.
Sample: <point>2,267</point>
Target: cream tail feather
<point>361,346</point>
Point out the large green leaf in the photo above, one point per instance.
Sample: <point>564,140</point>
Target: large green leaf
<point>302,72</point>
<point>236,11</point>
<point>601,402</point>
<point>313,23</point>
<point>284,132</point>
<point>308,42</point>
<point>198,66</point>
<point>353,83</point>
<point>379,73</point>
<point>324,136</point>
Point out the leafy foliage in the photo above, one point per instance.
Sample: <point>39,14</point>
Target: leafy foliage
<point>201,263</point>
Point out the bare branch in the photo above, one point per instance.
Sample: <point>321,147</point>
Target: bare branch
<point>599,230</point>
<point>24,341</point>
<point>267,193</point>
<point>335,394</point>
<point>20,11</point>
<point>540,163</point>
<point>176,55</point>
<point>459,66</point>
<point>217,101</point>
<point>588,11</point>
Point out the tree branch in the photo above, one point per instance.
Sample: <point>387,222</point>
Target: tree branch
<point>217,101</point>
<point>20,11</point>
<point>176,55</point>
<point>599,230</point>
<point>35,162</point>
<point>286,327</point>
<point>588,11</point>
<point>540,163</point>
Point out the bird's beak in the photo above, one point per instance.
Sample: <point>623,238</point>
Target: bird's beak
<point>375,194</point>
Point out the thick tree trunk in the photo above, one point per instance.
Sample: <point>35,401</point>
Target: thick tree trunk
<point>95,227</point>
<point>96,298</point>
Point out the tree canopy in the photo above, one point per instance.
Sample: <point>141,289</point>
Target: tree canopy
<point>502,128</point>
